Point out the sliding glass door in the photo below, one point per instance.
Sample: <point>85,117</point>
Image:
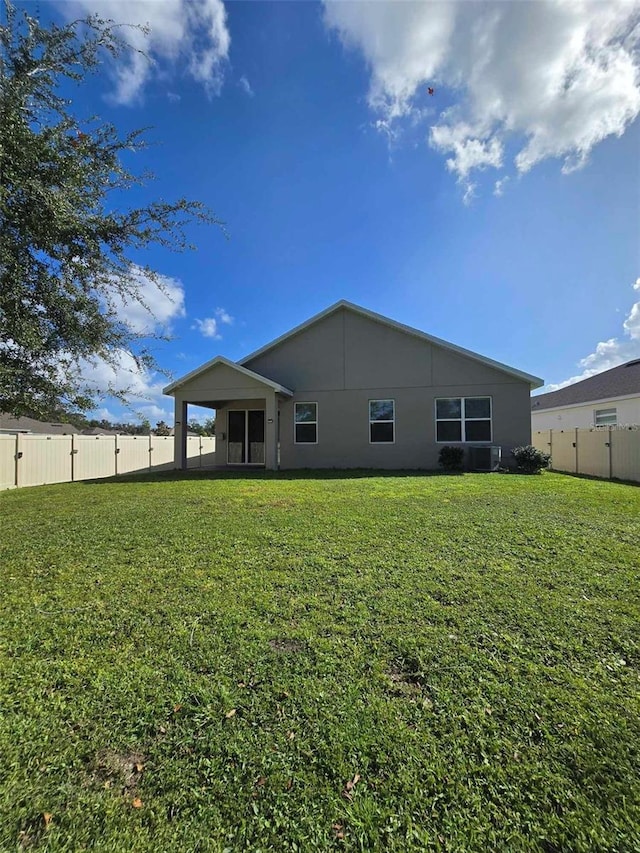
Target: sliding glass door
<point>245,439</point>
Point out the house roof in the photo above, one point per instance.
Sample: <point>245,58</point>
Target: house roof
<point>534,381</point>
<point>220,359</point>
<point>9,423</point>
<point>621,381</point>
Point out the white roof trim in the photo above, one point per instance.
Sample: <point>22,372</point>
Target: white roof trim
<point>534,381</point>
<point>220,359</point>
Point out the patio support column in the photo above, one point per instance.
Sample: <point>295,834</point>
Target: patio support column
<point>180,435</point>
<point>271,431</point>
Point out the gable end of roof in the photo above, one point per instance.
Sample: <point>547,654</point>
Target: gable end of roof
<point>533,381</point>
<point>220,359</point>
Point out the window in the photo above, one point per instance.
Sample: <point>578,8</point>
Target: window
<point>463,419</point>
<point>382,417</point>
<point>605,417</point>
<point>305,423</point>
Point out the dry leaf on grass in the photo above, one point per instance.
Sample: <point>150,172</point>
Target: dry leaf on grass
<point>230,713</point>
<point>137,803</point>
<point>349,787</point>
<point>338,829</point>
<point>47,817</point>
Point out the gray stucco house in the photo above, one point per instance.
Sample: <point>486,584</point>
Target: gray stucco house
<point>352,389</point>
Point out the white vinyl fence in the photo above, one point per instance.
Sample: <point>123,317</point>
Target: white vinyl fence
<point>612,452</point>
<point>33,460</point>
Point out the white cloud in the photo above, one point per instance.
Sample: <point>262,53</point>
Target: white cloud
<point>188,33</point>
<point>208,328</point>
<point>404,44</point>
<point>224,316</point>
<point>160,301</point>
<point>246,86</point>
<point>103,414</point>
<point>469,152</point>
<point>154,413</point>
<point>551,78</point>
<point>122,374</point>
<point>498,189</point>
<point>469,193</point>
<point>611,353</point>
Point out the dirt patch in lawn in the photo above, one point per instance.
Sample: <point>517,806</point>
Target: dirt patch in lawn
<point>111,769</point>
<point>404,678</point>
<point>287,646</point>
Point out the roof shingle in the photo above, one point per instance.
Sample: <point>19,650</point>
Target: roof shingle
<point>618,382</point>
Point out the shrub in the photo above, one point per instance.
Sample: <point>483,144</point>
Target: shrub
<point>451,458</point>
<point>530,460</point>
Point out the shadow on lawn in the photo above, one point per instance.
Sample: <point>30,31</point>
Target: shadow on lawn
<point>297,474</point>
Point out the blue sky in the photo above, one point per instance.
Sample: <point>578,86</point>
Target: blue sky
<point>308,129</point>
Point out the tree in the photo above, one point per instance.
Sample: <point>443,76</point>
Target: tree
<point>162,429</point>
<point>207,428</point>
<point>65,249</point>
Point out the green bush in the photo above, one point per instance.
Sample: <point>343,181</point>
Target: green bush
<point>451,458</point>
<point>530,460</point>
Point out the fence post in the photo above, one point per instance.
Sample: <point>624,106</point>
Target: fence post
<point>610,445</point>
<point>551,446</point>
<point>18,457</point>
<point>73,451</point>
<point>576,447</point>
<point>150,449</point>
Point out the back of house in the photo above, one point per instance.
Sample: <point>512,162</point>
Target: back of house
<point>353,389</point>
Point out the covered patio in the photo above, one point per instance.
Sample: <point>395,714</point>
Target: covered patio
<point>247,411</point>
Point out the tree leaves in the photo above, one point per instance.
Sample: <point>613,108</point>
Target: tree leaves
<point>65,248</point>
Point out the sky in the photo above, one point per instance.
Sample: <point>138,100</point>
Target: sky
<point>501,212</point>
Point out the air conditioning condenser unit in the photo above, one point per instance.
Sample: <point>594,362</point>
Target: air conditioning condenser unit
<point>485,458</point>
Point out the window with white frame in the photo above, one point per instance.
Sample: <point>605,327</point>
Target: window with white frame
<point>605,417</point>
<point>382,421</point>
<point>463,419</point>
<point>305,424</point>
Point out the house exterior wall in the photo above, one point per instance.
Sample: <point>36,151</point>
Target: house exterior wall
<point>583,417</point>
<point>345,360</point>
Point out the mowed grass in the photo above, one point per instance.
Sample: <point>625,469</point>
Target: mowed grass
<point>209,663</point>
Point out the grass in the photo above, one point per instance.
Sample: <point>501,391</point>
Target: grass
<point>401,663</point>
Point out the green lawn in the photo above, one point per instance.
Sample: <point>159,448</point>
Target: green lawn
<point>209,663</point>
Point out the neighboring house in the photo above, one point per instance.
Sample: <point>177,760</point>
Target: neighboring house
<point>11,425</point>
<point>353,389</point>
<point>99,431</point>
<point>611,398</point>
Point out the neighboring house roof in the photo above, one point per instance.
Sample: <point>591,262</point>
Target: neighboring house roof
<point>219,359</point>
<point>534,381</point>
<point>621,381</point>
<point>8,423</point>
<point>99,431</point>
